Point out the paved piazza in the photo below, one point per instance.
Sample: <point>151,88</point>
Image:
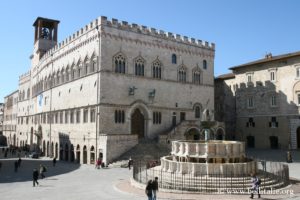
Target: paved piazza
<point>72,181</point>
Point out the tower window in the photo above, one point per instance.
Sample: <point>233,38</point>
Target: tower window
<point>156,118</point>
<point>204,64</point>
<point>119,116</point>
<point>120,63</point>
<point>174,59</point>
<point>156,69</point>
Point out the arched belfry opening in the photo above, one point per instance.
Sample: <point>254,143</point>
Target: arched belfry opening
<point>138,123</point>
<point>45,35</point>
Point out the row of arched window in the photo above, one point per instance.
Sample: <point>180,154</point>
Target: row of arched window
<point>67,74</point>
<point>119,61</point>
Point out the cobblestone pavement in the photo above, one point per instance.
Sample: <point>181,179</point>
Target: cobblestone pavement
<point>73,181</point>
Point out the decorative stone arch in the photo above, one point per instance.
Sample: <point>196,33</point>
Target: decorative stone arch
<point>182,73</point>
<point>220,133</point>
<point>142,107</point>
<point>157,63</point>
<point>84,156</point>
<point>194,133</point>
<point>72,155</point>
<point>139,65</point>
<point>85,65</point>
<point>92,155</point>
<point>197,75</point>
<point>197,106</point>
<point>78,68</point>
<point>78,153</point>
<point>120,60</point>
<point>66,152</point>
<point>296,91</point>
<point>93,63</point>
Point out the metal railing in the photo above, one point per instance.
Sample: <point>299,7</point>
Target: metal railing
<point>272,174</point>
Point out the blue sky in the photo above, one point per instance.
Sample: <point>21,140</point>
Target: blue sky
<point>243,30</point>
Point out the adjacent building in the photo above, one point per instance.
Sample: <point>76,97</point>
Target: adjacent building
<point>10,119</point>
<point>1,117</point>
<point>108,85</point>
<point>264,96</point>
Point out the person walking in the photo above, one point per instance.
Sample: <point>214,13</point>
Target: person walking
<point>54,161</point>
<point>16,166</point>
<point>19,162</point>
<point>130,162</point>
<point>42,171</point>
<point>35,176</point>
<point>255,186</point>
<point>155,188</point>
<point>148,190</point>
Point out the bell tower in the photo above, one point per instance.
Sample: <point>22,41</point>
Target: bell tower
<point>45,36</point>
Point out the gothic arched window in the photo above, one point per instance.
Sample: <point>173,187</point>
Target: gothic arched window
<point>182,74</point>
<point>204,64</point>
<point>67,74</point>
<point>120,63</point>
<point>197,112</point>
<point>156,69</point>
<point>139,66</point>
<point>197,76</point>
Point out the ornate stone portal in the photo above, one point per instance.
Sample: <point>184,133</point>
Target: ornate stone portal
<point>212,157</point>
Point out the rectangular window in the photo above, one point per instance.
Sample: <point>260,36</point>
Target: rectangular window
<point>66,116</point>
<point>61,116</point>
<point>273,123</point>
<point>272,76</point>
<point>250,102</point>
<point>182,116</point>
<point>156,118</point>
<point>249,78</point>
<point>273,101</point>
<point>72,116</point>
<point>56,118</point>
<point>92,117</point>
<point>78,116</point>
<point>85,115</point>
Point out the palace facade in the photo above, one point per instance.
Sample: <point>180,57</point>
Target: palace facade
<point>260,101</point>
<point>109,85</point>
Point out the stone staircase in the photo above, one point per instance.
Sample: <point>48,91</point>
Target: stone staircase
<point>144,150</point>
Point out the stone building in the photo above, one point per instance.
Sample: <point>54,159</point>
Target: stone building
<point>100,90</point>
<point>265,97</point>
<point>1,117</point>
<point>10,118</point>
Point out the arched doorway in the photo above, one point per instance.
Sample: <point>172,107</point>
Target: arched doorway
<point>52,149</point>
<point>48,150</point>
<point>78,153</point>
<point>56,150</point>
<point>138,123</point>
<point>193,134</point>
<point>84,155</point>
<point>273,142</point>
<point>44,148</point>
<point>220,134</point>
<point>66,152</point>
<point>250,141</point>
<point>92,156</point>
<point>298,138</point>
<point>61,152</point>
<point>72,153</point>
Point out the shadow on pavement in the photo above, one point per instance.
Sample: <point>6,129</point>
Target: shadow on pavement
<point>24,173</point>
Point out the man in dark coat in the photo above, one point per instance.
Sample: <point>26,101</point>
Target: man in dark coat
<point>35,176</point>
<point>155,188</point>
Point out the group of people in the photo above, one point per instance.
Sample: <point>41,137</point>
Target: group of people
<point>152,188</point>
<point>36,173</point>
